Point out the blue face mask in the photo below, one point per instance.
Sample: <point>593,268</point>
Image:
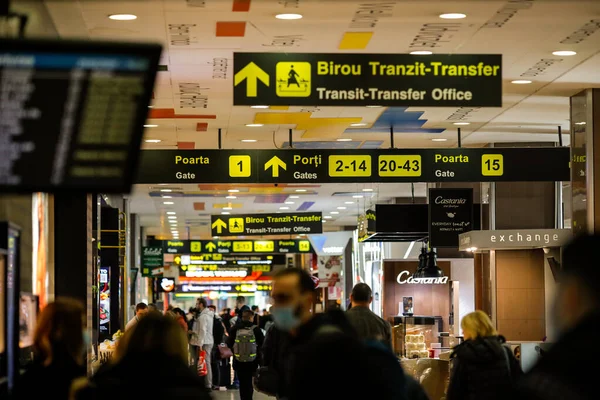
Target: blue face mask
<point>285,318</point>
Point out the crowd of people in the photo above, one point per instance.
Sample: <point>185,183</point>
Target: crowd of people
<point>304,355</point>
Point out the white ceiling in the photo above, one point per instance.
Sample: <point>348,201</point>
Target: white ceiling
<point>525,33</point>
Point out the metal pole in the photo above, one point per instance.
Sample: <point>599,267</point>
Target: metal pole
<point>220,139</point>
<point>291,138</point>
<point>459,139</point>
<point>391,137</point>
<point>560,142</point>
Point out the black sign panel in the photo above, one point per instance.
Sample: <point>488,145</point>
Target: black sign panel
<point>352,166</point>
<point>205,288</point>
<point>450,214</point>
<point>232,260</point>
<point>72,114</point>
<point>236,246</point>
<point>267,224</point>
<point>312,79</point>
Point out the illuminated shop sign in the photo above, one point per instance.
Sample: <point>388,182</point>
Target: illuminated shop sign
<point>513,239</point>
<point>404,278</point>
<point>241,288</point>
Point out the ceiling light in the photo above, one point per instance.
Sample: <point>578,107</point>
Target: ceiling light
<point>249,140</point>
<point>289,202</point>
<point>328,217</point>
<point>300,190</point>
<point>439,140</point>
<point>349,202</point>
<point>334,212</point>
<point>166,190</point>
<point>172,217</point>
<point>227,208</point>
<point>231,197</point>
<point>122,17</point>
<point>359,124</point>
<point>151,126</point>
<point>150,106</point>
<point>288,16</point>
<point>323,221</point>
<point>344,140</point>
<point>373,106</point>
<point>564,53</point>
<point>284,208</point>
<point>421,53</point>
<point>167,197</point>
<point>259,106</point>
<point>171,213</point>
<point>294,197</point>
<point>357,196</point>
<point>462,123</point>
<point>580,123</point>
<point>453,16</point>
<point>225,213</point>
<point>233,190</point>
<point>152,140</point>
<point>521,82</point>
<point>254,125</point>
<point>341,208</point>
<point>367,190</point>
<point>168,203</point>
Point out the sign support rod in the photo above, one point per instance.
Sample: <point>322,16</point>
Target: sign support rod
<point>291,138</point>
<point>392,136</point>
<point>220,139</point>
<point>560,142</point>
<point>459,138</point>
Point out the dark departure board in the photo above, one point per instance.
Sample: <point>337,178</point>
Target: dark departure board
<point>72,113</point>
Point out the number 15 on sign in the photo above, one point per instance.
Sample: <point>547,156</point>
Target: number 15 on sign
<point>492,165</point>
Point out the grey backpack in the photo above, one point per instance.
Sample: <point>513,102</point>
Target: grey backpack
<point>245,347</point>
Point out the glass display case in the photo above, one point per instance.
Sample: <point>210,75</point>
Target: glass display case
<point>413,336</point>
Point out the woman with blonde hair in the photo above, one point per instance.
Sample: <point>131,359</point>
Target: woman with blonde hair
<point>59,350</point>
<point>482,366</point>
<point>155,347</point>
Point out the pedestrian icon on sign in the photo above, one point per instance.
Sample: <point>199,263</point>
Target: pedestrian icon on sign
<point>293,79</point>
<point>236,225</point>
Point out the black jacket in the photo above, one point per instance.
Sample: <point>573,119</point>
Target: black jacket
<point>564,372</point>
<point>275,352</point>
<point>369,326</point>
<point>57,377</point>
<point>483,369</point>
<point>260,340</point>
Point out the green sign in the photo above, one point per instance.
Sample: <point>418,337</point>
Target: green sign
<point>353,166</point>
<point>313,79</point>
<point>267,224</point>
<point>236,246</point>
<point>152,257</point>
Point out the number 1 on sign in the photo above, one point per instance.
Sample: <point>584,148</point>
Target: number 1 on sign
<point>240,166</point>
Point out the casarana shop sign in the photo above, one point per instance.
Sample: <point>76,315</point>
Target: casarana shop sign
<point>405,278</point>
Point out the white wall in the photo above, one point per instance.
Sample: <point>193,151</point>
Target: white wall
<point>463,270</point>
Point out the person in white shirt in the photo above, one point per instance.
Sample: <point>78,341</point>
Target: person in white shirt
<point>202,336</point>
<point>141,309</point>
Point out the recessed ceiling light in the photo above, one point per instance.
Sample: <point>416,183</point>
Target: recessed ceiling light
<point>231,197</point>
<point>374,106</point>
<point>357,196</point>
<point>227,208</point>
<point>421,53</point>
<point>328,217</point>
<point>294,197</point>
<point>344,140</point>
<point>288,16</point>
<point>462,123</point>
<point>233,190</point>
<point>172,217</point>
<point>439,140</point>
<point>152,140</point>
<point>166,190</point>
<point>122,17</point>
<point>150,106</point>
<point>225,213</point>
<point>300,190</point>
<point>259,106</point>
<point>564,53</point>
<point>580,123</point>
<point>367,190</point>
<point>323,221</point>
<point>168,203</point>
<point>521,82</point>
<point>171,213</point>
<point>150,126</point>
<point>167,197</point>
<point>341,208</point>
<point>349,202</point>
<point>254,125</point>
<point>284,208</point>
<point>334,212</point>
<point>453,16</point>
<point>289,202</point>
<point>358,124</point>
<point>249,140</point>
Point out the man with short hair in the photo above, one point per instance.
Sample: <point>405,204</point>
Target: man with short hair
<point>240,307</point>
<point>367,324</point>
<point>141,309</point>
<point>564,372</point>
<point>202,337</point>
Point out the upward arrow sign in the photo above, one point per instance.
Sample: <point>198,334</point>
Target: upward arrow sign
<point>275,163</point>
<point>251,73</point>
<point>211,247</point>
<point>219,225</point>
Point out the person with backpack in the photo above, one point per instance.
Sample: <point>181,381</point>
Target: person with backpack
<point>327,346</point>
<point>246,341</point>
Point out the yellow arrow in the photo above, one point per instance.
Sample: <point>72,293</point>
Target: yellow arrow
<point>219,224</point>
<point>211,247</point>
<point>251,73</point>
<point>275,163</point>
<point>177,260</point>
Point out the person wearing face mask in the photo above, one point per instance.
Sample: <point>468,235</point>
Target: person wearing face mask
<point>323,345</point>
<point>564,372</point>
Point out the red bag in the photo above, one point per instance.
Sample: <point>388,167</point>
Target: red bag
<point>202,370</point>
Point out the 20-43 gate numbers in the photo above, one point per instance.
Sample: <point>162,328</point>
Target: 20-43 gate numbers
<point>388,166</point>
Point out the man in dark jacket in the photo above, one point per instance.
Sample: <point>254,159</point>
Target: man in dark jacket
<point>275,350</point>
<point>564,372</point>
<point>246,368</point>
<point>368,325</point>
